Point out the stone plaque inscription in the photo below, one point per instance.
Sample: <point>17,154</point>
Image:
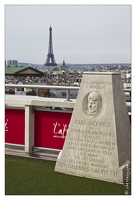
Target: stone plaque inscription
<point>97,146</point>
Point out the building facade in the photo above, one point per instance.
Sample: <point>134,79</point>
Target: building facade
<point>12,63</point>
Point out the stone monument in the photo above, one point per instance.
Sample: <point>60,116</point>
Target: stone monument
<point>98,144</point>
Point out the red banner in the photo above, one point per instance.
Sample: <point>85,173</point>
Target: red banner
<point>14,126</point>
<point>51,129</point>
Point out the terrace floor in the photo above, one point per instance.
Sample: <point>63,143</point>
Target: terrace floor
<point>28,176</point>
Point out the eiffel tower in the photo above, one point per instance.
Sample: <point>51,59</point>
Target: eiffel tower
<point>50,61</point>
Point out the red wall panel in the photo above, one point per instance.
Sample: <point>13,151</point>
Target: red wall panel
<point>14,126</point>
<point>51,129</point>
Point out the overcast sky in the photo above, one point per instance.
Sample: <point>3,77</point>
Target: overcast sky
<point>81,34</point>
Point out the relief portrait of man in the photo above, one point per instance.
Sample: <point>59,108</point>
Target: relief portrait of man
<point>94,104</point>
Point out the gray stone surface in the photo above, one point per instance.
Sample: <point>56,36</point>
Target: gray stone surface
<point>97,145</point>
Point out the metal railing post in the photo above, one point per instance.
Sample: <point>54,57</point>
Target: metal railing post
<point>68,95</point>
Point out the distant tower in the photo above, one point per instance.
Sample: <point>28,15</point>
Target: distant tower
<point>63,64</point>
<point>50,61</point>
<point>64,67</point>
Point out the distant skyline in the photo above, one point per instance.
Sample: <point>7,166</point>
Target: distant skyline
<point>81,33</point>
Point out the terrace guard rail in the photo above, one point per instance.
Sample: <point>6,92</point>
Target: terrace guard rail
<point>32,128</point>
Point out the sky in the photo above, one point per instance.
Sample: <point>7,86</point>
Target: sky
<point>80,33</point>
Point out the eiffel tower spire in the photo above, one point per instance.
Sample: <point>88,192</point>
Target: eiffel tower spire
<point>50,60</point>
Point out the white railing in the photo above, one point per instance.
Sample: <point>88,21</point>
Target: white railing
<point>31,103</point>
<point>67,88</point>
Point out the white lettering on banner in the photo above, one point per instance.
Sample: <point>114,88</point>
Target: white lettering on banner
<point>6,125</point>
<point>60,130</point>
